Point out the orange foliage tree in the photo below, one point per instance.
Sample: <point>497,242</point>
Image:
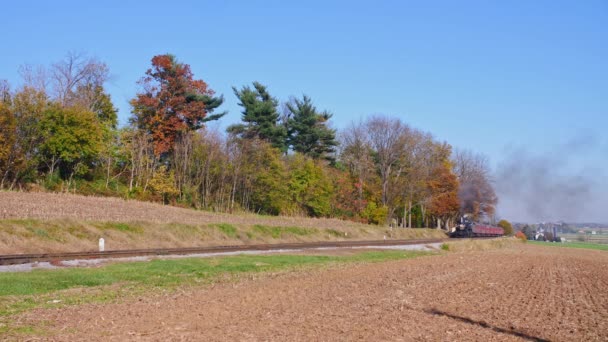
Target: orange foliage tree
<point>443,186</point>
<point>172,102</point>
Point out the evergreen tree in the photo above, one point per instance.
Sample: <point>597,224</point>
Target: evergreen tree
<point>307,130</point>
<point>260,117</point>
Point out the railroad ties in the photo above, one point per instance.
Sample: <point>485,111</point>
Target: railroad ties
<point>14,259</point>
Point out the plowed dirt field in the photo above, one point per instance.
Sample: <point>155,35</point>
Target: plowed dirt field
<point>520,293</point>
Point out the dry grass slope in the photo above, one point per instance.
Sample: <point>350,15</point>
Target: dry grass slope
<point>465,245</point>
<point>45,206</point>
<point>46,222</point>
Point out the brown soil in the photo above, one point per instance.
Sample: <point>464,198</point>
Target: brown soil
<point>521,293</point>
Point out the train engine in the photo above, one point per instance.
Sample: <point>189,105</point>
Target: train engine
<point>466,228</point>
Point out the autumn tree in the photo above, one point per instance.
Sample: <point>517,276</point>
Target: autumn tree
<point>476,192</point>
<point>71,140</point>
<point>172,102</point>
<point>100,104</point>
<point>28,106</point>
<point>34,77</point>
<point>307,130</point>
<point>345,201</point>
<point>264,179</point>
<point>309,186</point>
<point>356,155</point>
<point>260,117</point>
<point>443,187</point>
<point>162,183</point>
<point>387,157</point>
<point>8,137</point>
<point>138,152</point>
<point>386,140</point>
<point>506,226</point>
<point>7,131</point>
<point>414,161</point>
<point>201,168</point>
<point>78,80</point>
<point>5,92</point>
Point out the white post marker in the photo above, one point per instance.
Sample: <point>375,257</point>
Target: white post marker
<point>102,244</point>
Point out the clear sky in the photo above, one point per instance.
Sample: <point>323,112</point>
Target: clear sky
<point>510,79</point>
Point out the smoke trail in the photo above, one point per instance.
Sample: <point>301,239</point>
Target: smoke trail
<point>564,184</point>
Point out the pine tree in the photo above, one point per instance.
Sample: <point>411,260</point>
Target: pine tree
<point>260,117</point>
<point>307,130</point>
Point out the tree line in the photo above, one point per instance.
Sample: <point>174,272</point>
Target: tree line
<point>59,131</point>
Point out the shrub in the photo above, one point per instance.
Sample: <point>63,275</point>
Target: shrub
<point>520,235</point>
<point>445,247</point>
<point>374,214</point>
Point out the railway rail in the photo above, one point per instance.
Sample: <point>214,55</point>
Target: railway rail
<point>14,259</point>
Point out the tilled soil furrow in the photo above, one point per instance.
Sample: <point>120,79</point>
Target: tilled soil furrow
<point>526,293</point>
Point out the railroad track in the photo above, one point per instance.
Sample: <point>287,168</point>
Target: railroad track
<point>14,259</point>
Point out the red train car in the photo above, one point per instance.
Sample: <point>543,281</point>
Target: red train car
<point>468,229</point>
<point>484,230</point>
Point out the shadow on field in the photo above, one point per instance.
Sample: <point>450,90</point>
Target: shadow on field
<point>485,325</point>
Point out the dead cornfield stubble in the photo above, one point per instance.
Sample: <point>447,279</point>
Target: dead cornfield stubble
<point>48,222</point>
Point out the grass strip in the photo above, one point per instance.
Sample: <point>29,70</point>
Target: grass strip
<point>22,291</point>
<point>585,245</point>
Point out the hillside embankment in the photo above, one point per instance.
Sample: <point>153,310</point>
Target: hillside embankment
<point>48,222</point>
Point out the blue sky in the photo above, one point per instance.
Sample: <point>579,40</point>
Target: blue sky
<point>491,76</point>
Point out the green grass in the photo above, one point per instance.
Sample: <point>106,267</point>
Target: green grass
<point>21,330</point>
<point>50,232</point>
<point>228,229</point>
<point>122,227</point>
<point>279,232</point>
<point>585,245</point>
<point>22,291</point>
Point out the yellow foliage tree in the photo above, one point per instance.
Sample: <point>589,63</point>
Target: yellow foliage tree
<point>163,184</point>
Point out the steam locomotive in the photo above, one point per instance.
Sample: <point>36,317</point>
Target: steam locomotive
<point>466,228</point>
